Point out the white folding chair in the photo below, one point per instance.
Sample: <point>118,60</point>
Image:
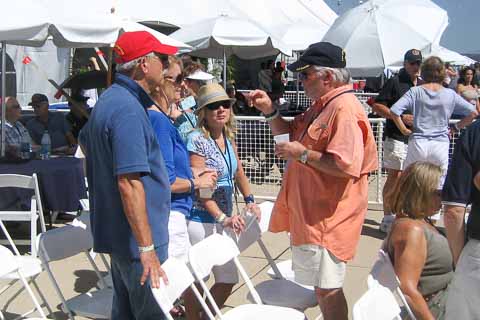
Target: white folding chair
<point>378,303</point>
<point>30,267</point>
<point>179,279</point>
<point>9,268</point>
<point>35,212</point>
<point>280,291</point>
<point>383,274</point>
<point>67,241</point>
<point>217,250</point>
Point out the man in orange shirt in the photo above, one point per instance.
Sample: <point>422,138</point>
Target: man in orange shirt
<point>324,194</point>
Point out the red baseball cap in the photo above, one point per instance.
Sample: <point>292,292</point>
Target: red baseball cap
<point>133,45</point>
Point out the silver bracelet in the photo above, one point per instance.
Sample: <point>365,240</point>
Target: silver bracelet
<point>146,249</point>
<point>272,116</point>
<point>221,218</point>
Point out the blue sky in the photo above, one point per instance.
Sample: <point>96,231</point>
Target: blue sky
<point>462,34</point>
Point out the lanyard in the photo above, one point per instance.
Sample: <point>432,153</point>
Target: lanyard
<point>318,113</point>
<point>229,162</point>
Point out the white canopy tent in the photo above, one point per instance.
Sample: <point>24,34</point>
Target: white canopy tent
<point>453,57</point>
<point>377,33</point>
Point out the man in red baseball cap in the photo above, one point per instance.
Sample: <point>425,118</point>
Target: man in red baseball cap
<point>128,180</point>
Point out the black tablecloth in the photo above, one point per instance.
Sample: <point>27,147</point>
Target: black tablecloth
<point>61,181</point>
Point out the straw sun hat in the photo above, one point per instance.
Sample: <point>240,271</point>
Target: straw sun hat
<point>211,93</point>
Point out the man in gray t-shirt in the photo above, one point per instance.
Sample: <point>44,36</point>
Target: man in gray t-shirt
<point>58,127</point>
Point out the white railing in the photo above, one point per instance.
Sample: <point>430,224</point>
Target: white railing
<point>265,170</point>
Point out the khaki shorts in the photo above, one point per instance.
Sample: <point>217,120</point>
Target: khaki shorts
<point>314,265</point>
<point>394,154</point>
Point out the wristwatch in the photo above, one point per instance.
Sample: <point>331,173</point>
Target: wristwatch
<point>304,157</point>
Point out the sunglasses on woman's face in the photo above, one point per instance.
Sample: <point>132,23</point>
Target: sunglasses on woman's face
<point>178,80</point>
<point>216,105</point>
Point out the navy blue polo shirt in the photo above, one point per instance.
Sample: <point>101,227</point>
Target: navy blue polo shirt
<point>119,139</point>
<point>458,189</point>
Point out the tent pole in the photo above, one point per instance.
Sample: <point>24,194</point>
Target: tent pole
<point>224,69</point>
<point>298,87</point>
<point>4,88</point>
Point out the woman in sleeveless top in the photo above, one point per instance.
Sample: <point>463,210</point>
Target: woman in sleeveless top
<point>420,254</point>
<point>467,88</point>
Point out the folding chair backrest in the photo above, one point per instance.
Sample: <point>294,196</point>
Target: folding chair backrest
<point>378,303</point>
<point>66,241</point>
<point>383,273</point>
<point>215,250</point>
<point>179,279</point>
<point>16,181</point>
<point>9,263</point>
<point>266,208</point>
<point>249,236</point>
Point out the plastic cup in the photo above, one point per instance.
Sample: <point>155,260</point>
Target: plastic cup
<point>282,138</point>
<point>206,193</point>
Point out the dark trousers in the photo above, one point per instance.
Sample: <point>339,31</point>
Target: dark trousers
<point>132,301</point>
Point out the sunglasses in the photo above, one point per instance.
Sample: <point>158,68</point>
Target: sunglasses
<point>163,59</point>
<point>216,105</point>
<point>178,80</point>
<point>417,63</point>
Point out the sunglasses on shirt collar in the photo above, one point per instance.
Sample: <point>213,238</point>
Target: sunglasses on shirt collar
<point>216,105</point>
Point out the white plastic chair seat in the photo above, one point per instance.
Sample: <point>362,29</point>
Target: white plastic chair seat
<point>285,293</point>
<point>29,266</point>
<point>108,281</point>
<point>286,269</point>
<point>96,304</point>
<point>261,312</point>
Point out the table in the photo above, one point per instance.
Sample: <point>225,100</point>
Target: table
<point>61,182</point>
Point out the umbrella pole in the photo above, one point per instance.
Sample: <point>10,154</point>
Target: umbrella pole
<point>4,86</point>
<point>110,66</point>
<point>224,69</point>
<point>298,88</point>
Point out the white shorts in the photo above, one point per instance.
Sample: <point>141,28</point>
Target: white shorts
<point>314,265</point>
<point>434,151</point>
<point>178,243</point>
<point>394,154</point>
<point>463,292</point>
<point>198,231</point>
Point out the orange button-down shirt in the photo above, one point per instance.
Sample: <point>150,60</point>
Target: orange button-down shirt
<point>318,208</point>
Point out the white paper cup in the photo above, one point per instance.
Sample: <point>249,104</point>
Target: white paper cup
<point>206,193</point>
<point>282,138</point>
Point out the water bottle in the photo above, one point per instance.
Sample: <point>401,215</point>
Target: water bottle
<point>46,146</point>
<point>25,148</point>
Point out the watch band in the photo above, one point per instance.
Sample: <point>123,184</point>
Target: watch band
<point>272,116</point>
<point>220,218</point>
<point>304,156</point>
<point>146,249</point>
<point>249,199</point>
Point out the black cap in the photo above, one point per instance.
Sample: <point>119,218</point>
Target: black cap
<point>323,54</point>
<point>38,98</point>
<point>413,55</point>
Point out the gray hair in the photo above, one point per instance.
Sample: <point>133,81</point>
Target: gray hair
<point>127,67</point>
<point>340,75</point>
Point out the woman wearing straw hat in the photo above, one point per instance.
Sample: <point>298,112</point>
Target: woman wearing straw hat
<point>212,146</point>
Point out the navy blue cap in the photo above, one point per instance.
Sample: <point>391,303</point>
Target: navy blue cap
<point>323,54</point>
<point>413,55</point>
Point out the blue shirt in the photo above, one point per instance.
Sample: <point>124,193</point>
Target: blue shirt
<point>226,167</point>
<point>119,139</point>
<point>57,127</point>
<point>175,155</point>
<point>431,110</point>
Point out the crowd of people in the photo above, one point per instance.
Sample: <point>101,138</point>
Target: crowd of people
<point>164,173</point>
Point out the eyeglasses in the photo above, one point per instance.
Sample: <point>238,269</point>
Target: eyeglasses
<point>178,80</point>
<point>216,105</point>
<point>163,59</point>
<point>302,76</point>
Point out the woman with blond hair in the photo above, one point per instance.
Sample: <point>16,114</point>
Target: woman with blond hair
<point>432,105</point>
<point>212,146</point>
<point>420,254</point>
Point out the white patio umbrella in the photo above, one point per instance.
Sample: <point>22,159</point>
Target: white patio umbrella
<point>453,57</point>
<point>297,23</point>
<point>377,34</point>
<point>223,36</point>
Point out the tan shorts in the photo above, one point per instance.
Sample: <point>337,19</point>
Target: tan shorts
<point>314,265</point>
